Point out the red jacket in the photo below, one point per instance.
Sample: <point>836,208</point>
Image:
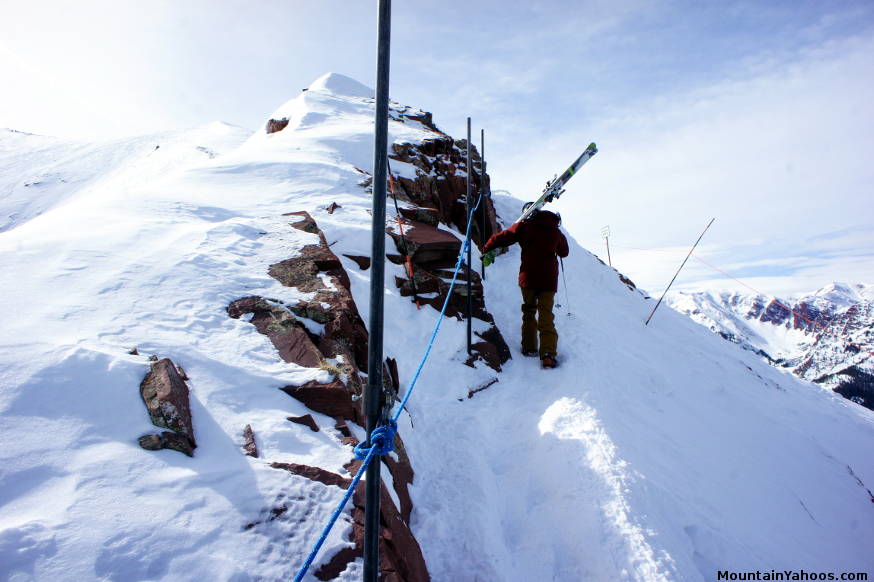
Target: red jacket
<point>541,240</point>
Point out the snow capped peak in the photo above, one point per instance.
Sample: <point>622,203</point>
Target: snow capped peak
<point>338,84</point>
<point>836,295</point>
<point>333,120</point>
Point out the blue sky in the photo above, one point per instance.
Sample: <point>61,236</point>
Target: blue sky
<point>757,113</point>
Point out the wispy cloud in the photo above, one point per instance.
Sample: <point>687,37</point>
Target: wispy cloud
<point>774,267</point>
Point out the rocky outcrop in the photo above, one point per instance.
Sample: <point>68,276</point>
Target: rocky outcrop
<point>165,395</point>
<point>400,555</point>
<point>275,125</point>
<point>440,185</point>
<point>841,357</point>
<point>327,332</point>
<point>249,445</point>
<point>305,420</point>
<point>436,197</point>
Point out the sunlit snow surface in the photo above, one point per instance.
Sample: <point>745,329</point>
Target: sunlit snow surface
<point>653,453</point>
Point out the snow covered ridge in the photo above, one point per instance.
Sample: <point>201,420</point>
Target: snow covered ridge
<point>825,336</point>
<point>39,173</point>
<point>657,453</point>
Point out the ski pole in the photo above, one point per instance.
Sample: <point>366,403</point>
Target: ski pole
<point>566,295</point>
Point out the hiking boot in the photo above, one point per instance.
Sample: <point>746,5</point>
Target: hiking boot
<point>548,361</point>
<point>529,353</point>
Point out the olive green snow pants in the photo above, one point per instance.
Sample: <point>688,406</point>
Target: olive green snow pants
<point>537,317</point>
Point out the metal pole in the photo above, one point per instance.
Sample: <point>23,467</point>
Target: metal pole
<point>469,250</point>
<point>605,232</point>
<point>678,271</point>
<point>482,183</point>
<point>373,399</point>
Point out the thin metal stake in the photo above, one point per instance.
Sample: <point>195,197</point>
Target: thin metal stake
<point>482,185</point>
<point>469,250</point>
<point>374,397</point>
<point>678,271</point>
<point>606,233</point>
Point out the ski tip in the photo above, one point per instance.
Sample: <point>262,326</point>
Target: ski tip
<point>593,148</point>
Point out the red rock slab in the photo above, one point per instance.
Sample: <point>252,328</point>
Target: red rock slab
<point>165,395</point>
<point>425,244</point>
<point>305,420</point>
<point>332,399</point>
<point>274,125</point>
<point>249,442</point>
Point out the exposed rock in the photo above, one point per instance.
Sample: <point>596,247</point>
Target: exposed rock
<point>402,475</point>
<point>151,442</point>
<point>628,282</point>
<point>275,125</point>
<point>181,372</point>
<point>332,399</point>
<point>362,262</point>
<point>441,185</point>
<point>288,335</point>
<point>306,420</point>
<point>343,428</point>
<point>400,555</point>
<point>167,440</point>
<point>165,395</point>
<point>333,305</point>
<point>315,474</point>
<point>333,206</point>
<point>492,350</point>
<point>390,377</point>
<point>305,222</point>
<point>249,442</point>
<point>427,215</point>
<point>438,195</point>
<point>485,386</point>
<point>425,244</point>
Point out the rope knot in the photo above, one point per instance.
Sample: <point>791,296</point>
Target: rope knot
<point>382,440</point>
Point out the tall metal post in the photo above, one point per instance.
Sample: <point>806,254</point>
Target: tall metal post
<point>374,397</point>
<point>482,183</point>
<point>469,269</point>
<point>606,234</point>
<point>678,271</point>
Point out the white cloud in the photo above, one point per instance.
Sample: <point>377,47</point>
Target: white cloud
<point>776,157</point>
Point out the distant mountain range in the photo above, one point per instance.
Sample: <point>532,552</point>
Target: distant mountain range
<point>826,337</point>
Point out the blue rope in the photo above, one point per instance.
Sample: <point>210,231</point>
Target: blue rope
<point>458,264</point>
<point>382,438</point>
<point>335,516</point>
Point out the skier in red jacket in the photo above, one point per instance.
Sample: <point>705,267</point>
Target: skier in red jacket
<point>542,242</point>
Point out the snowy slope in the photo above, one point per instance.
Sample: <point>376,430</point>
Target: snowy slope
<point>654,453</point>
<point>38,173</point>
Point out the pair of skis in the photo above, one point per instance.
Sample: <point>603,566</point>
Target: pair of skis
<point>554,189</point>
